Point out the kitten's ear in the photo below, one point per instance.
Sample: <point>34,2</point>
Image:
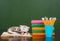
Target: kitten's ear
<point>28,27</point>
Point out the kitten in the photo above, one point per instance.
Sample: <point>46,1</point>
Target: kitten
<point>22,29</point>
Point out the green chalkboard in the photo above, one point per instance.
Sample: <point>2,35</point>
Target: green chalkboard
<point>17,12</point>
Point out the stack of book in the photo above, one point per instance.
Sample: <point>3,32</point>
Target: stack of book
<point>38,29</point>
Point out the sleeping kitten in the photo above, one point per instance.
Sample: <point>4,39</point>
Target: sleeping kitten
<point>23,30</point>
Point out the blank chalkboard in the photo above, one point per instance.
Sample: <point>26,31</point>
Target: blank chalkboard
<point>20,12</point>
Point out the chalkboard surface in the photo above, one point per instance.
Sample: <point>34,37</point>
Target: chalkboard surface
<point>17,12</point>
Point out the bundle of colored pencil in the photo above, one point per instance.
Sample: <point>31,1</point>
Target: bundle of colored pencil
<point>49,25</point>
<point>38,30</point>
